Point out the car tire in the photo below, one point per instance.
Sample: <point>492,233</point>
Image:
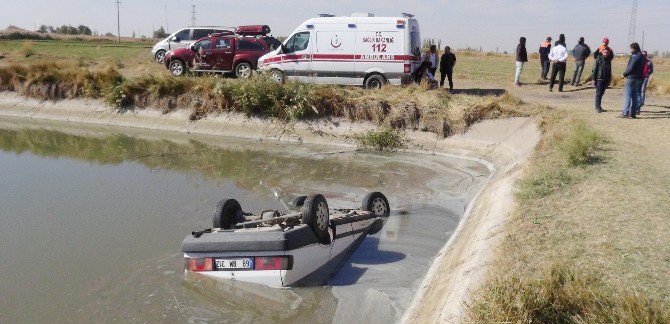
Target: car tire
<point>243,70</point>
<point>376,203</point>
<point>316,215</point>
<point>375,81</point>
<point>177,68</point>
<point>228,213</point>
<point>278,76</point>
<point>299,202</point>
<point>160,56</point>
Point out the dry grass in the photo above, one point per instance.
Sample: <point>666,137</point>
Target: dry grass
<point>416,108</point>
<point>560,295</point>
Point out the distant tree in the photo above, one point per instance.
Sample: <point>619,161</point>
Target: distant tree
<point>67,29</point>
<point>84,30</point>
<point>133,34</point>
<point>160,33</point>
<point>109,35</point>
<point>43,29</point>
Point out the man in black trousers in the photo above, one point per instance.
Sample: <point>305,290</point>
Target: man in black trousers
<point>447,63</point>
<point>558,56</point>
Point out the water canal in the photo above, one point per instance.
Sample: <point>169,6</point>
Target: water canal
<point>93,217</point>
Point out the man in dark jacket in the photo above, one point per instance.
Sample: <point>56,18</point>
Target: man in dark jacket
<point>581,53</point>
<point>601,76</point>
<point>633,74</point>
<point>545,48</point>
<point>447,63</point>
<point>521,58</point>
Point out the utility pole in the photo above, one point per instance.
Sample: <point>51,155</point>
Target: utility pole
<point>118,21</point>
<point>193,17</point>
<point>643,40</point>
<point>633,22</point>
<point>167,27</point>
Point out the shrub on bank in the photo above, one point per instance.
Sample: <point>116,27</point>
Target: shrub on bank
<point>417,108</point>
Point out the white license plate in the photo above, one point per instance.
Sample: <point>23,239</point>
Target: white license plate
<point>241,263</point>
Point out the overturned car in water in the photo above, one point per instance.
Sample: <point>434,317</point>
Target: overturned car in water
<point>299,248</point>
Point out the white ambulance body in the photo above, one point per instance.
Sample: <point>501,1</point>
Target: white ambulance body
<point>359,50</point>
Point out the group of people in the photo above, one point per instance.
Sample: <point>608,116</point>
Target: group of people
<point>637,74</point>
<point>430,63</point>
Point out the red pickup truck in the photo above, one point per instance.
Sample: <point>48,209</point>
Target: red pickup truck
<point>223,53</point>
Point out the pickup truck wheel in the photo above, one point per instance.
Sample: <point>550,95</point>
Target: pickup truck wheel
<point>160,56</point>
<point>376,203</point>
<point>277,76</point>
<point>177,68</point>
<point>316,215</point>
<point>228,213</point>
<point>243,70</point>
<point>375,81</point>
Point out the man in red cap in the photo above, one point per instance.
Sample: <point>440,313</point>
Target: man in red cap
<point>605,44</point>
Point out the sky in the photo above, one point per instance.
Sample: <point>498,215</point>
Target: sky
<point>490,24</point>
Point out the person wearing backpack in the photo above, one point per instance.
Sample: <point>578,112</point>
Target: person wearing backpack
<point>581,53</point>
<point>601,76</point>
<point>646,74</point>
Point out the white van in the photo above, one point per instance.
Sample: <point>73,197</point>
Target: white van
<point>358,50</point>
<point>183,38</point>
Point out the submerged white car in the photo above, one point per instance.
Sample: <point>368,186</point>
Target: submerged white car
<point>296,249</point>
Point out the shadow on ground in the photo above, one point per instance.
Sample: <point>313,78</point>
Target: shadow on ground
<point>480,92</point>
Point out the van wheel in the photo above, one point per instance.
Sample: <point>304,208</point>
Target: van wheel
<point>375,81</point>
<point>376,203</point>
<point>177,68</point>
<point>277,76</point>
<point>228,213</point>
<point>243,70</point>
<point>298,202</point>
<point>160,56</point>
<point>316,215</point>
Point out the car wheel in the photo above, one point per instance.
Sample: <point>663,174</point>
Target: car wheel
<point>177,68</point>
<point>376,203</point>
<point>375,81</point>
<point>243,70</point>
<point>298,202</point>
<point>277,76</point>
<point>160,56</point>
<point>316,215</point>
<point>228,213</point>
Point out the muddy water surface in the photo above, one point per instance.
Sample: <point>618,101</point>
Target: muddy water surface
<point>92,221</point>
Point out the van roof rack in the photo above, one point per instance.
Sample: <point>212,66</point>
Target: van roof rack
<point>326,15</point>
<point>407,15</point>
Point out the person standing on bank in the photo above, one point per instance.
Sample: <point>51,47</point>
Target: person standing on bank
<point>601,76</point>
<point>521,59</point>
<point>447,63</point>
<point>558,56</point>
<point>581,53</point>
<point>431,56</point>
<point>646,74</point>
<point>633,75</point>
<point>545,48</point>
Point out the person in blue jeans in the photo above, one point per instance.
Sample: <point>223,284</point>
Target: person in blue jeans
<point>646,74</point>
<point>633,74</point>
<point>602,75</point>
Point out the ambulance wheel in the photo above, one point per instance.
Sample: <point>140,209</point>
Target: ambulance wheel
<point>376,203</point>
<point>277,76</point>
<point>375,81</point>
<point>228,213</point>
<point>316,215</point>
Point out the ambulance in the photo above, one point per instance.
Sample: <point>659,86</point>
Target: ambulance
<point>361,50</point>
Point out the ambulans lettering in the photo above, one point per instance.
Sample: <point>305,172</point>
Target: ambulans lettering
<point>377,57</point>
